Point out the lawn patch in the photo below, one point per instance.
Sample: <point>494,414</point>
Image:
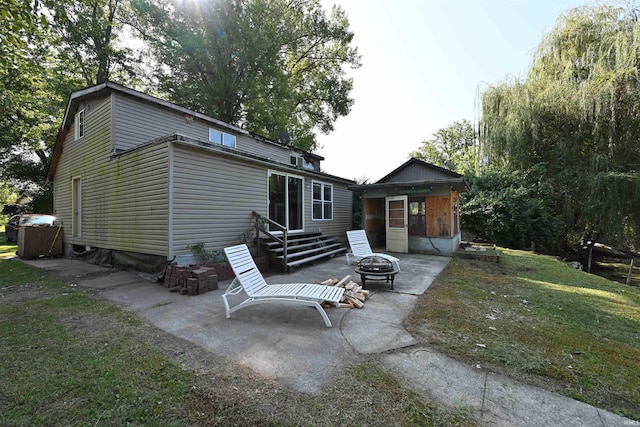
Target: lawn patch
<point>541,321</point>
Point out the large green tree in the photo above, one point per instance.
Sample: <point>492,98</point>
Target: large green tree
<point>576,113</point>
<point>90,39</point>
<point>453,147</point>
<point>24,95</point>
<point>265,65</point>
<point>48,50</point>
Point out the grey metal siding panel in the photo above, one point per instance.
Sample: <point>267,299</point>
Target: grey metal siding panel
<point>213,198</point>
<point>129,209</point>
<point>124,199</point>
<point>83,157</point>
<point>137,122</point>
<point>263,149</point>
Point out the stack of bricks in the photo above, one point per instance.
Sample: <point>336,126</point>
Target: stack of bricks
<point>192,280</point>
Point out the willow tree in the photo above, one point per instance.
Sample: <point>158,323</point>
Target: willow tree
<point>265,65</point>
<point>576,114</point>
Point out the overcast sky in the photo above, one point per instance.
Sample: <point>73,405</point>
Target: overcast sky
<point>423,65</point>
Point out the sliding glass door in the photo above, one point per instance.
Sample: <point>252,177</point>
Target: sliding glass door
<point>285,200</point>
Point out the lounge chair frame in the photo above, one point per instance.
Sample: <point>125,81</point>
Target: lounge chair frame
<point>250,280</point>
<point>360,248</point>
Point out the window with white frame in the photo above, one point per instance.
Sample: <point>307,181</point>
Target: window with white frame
<point>79,124</point>
<point>222,138</point>
<point>322,201</point>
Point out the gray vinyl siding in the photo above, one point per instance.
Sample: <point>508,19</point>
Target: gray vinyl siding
<point>131,210</point>
<point>85,158</point>
<point>124,198</point>
<point>271,151</point>
<point>137,122</point>
<point>342,211</point>
<point>213,198</point>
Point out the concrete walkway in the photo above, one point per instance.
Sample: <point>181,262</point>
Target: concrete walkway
<point>291,343</point>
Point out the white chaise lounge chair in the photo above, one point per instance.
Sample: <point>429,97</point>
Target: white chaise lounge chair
<point>360,248</point>
<point>250,280</point>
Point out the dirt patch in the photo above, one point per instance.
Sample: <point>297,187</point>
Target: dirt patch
<point>20,293</point>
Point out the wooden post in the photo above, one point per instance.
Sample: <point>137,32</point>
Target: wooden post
<point>630,270</point>
<point>590,253</point>
<point>257,238</point>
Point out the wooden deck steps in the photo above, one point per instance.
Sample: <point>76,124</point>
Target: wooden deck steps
<point>302,248</point>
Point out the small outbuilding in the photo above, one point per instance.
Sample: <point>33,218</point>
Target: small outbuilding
<point>413,209</point>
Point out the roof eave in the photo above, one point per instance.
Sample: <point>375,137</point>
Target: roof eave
<point>457,183</point>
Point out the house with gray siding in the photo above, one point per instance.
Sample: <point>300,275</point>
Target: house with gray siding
<point>133,174</point>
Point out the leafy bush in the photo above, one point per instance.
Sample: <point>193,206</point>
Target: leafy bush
<point>512,210</point>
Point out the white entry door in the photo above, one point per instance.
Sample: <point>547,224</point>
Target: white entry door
<point>397,224</point>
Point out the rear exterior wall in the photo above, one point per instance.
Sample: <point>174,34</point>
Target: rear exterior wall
<point>123,203</point>
<point>158,198</point>
<point>137,122</point>
<point>213,197</point>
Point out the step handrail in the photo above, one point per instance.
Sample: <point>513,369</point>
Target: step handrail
<point>260,222</point>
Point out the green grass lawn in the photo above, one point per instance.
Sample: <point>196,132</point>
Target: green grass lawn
<point>7,249</point>
<point>541,321</point>
<point>71,359</point>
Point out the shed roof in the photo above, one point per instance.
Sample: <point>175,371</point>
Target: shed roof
<point>415,173</point>
<point>416,169</point>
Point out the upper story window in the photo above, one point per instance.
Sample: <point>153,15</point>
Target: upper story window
<point>322,200</point>
<point>222,138</point>
<point>79,124</point>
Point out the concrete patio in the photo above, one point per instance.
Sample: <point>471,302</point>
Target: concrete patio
<point>290,343</point>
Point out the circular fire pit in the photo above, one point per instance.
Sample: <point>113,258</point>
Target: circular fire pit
<point>376,268</point>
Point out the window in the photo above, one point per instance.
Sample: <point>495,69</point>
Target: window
<point>222,138</point>
<point>79,124</point>
<point>417,220</point>
<point>322,201</point>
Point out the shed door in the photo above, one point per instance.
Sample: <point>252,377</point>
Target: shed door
<point>397,224</point>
